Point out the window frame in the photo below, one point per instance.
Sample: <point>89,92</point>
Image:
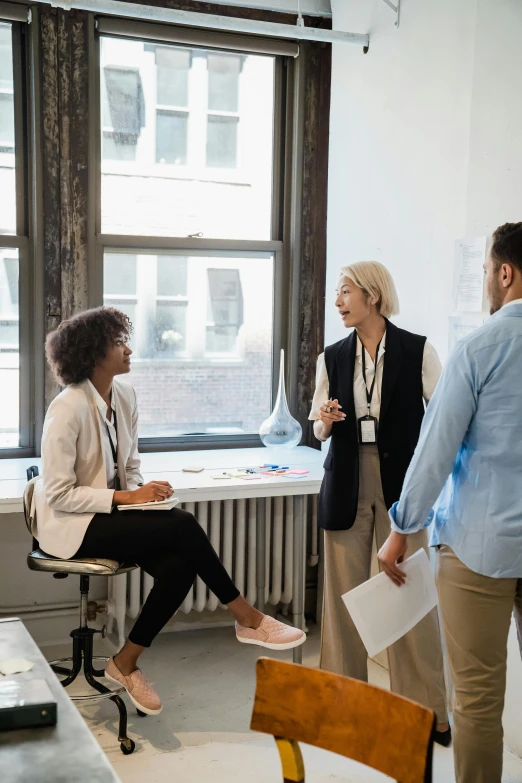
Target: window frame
<point>29,310</point>
<point>284,221</point>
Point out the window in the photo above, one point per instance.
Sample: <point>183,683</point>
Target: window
<point>224,310</point>
<point>223,107</point>
<point>7,132</point>
<point>172,98</point>
<point>188,244</point>
<point>9,349</point>
<point>203,330</point>
<point>15,378</point>
<point>190,132</point>
<point>122,112</point>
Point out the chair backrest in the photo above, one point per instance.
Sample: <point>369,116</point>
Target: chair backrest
<point>370,725</point>
<point>32,478</point>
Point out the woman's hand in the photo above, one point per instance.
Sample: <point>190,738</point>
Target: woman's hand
<point>154,490</point>
<point>330,412</point>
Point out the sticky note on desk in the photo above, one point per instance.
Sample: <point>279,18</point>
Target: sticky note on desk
<point>15,666</point>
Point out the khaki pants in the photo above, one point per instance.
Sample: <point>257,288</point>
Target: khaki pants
<point>415,661</point>
<point>476,614</point>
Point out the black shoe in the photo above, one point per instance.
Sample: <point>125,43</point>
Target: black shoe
<point>442,738</point>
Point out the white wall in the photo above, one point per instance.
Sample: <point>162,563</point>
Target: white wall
<point>425,148</point>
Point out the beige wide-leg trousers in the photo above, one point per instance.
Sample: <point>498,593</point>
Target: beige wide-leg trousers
<point>415,661</point>
<point>476,616</point>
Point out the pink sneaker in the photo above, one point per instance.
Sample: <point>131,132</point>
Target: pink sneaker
<point>271,634</point>
<point>141,692</point>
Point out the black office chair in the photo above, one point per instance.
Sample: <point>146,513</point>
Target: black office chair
<point>83,636</point>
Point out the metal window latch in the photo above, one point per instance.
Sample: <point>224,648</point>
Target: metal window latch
<point>195,236</point>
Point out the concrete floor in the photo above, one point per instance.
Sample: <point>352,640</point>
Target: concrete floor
<point>207,681</point>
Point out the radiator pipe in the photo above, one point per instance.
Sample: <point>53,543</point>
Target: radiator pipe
<point>313,558</point>
<point>201,588</point>
<point>277,550</point>
<point>212,21</point>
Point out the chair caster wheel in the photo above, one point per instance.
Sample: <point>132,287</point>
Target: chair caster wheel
<point>127,747</point>
<point>141,714</point>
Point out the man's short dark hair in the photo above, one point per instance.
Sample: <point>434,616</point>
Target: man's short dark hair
<point>75,347</point>
<point>507,245</point>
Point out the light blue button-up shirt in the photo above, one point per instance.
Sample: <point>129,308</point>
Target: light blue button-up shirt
<point>470,447</point>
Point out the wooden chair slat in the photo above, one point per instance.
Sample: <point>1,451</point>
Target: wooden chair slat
<point>367,724</point>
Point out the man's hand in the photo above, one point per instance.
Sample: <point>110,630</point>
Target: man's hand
<point>391,554</point>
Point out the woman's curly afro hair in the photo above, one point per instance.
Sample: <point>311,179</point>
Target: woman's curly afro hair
<point>78,344</point>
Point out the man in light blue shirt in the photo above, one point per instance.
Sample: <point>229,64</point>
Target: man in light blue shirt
<point>470,447</point>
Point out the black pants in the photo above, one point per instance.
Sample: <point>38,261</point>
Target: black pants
<point>171,547</point>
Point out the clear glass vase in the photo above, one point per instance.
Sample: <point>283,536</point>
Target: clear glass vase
<point>281,429</point>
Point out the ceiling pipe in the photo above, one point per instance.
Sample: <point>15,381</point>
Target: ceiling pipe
<point>210,21</point>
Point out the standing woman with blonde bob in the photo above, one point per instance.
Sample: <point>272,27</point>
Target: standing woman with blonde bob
<point>370,398</point>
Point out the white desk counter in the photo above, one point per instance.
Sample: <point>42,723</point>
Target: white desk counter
<point>199,487</point>
<point>195,487</point>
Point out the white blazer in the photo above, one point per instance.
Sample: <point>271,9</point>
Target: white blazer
<point>73,487</point>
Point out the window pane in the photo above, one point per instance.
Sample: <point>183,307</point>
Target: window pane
<point>6,57</point>
<point>171,328</point>
<point>202,342</point>
<point>172,70</point>
<point>9,349</point>
<point>118,146</point>
<point>7,133</point>
<point>6,122</point>
<point>171,138</point>
<point>222,142</point>
<point>119,274</point>
<point>172,276</point>
<point>223,82</point>
<point>123,106</point>
<point>202,125</point>
<point>224,310</point>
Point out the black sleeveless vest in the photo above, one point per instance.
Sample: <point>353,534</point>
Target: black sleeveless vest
<point>402,411</point>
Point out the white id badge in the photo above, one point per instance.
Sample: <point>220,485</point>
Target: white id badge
<point>368,430</point>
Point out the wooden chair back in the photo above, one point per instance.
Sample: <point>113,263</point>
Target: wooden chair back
<point>375,727</point>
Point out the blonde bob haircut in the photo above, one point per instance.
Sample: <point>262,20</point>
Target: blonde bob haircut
<point>377,282</point>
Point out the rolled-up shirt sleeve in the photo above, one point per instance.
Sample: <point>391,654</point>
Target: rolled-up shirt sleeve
<point>322,389</point>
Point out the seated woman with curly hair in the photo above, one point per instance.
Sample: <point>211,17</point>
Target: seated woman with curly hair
<point>91,465</point>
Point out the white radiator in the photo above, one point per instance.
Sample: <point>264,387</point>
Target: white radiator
<point>231,526</point>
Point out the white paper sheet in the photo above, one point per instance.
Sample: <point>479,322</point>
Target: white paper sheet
<point>153,505</point>
<point>468,286</point>
<point>383,612</point>
<point>15,666</point>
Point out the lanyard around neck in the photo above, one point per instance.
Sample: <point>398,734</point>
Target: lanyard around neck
<point>113,447</point>
<point>369,394</point>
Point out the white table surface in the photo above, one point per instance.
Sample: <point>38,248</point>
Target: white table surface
<point>196,487</point>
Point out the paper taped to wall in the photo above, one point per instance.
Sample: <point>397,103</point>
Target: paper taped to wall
<point>468,285</point>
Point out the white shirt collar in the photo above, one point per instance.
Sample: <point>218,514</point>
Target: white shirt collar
<point>358,352</point>
<point>100,403</point>
<point>513,302</point>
